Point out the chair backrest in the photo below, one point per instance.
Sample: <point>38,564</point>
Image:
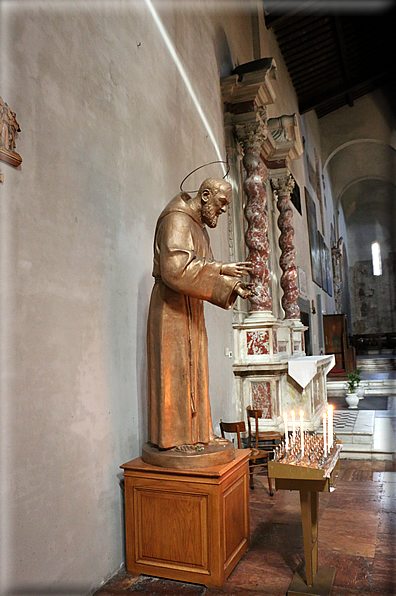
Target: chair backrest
<point>233,427</point>
<point>256,414</point>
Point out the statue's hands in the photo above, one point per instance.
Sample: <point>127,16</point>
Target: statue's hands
<point>245,290</point>
<point>236,269</point>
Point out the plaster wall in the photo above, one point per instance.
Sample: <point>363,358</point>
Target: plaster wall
<point>109,130</point>
<point>370,118</point>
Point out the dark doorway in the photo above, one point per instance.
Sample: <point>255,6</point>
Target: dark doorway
<point>307,335</point>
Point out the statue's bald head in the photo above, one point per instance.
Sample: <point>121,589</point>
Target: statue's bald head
<point>215,195</point>
<point>214,185</point>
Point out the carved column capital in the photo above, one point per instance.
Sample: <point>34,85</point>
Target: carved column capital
<point>252,132</point>
<point>283,185</point>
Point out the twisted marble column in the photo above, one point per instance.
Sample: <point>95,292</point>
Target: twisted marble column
<point>284,187</point>
<point>251,136</point>
<point>337,279</point>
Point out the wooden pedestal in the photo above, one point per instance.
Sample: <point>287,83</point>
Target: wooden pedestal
<point>188,525</point>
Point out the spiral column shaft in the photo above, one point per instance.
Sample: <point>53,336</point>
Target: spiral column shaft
<point>283,188</point>
<point>256,216</point>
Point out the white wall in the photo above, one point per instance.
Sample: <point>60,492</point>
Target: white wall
<point>108,132</point>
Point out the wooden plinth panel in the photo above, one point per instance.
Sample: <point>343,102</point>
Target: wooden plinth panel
<point>188,525</point>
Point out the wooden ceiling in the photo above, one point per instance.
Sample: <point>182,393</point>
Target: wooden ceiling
<point>333,59</point>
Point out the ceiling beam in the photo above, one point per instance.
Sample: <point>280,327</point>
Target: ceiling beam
<point>343,54</point>
<point>311,102</point>
<point>274,15</point>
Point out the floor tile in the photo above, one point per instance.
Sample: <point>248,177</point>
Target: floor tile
<point>162,587</point>
<point>349,533</point>
<point>383,577</point>
<point>351,571</point>
<point>387,522</point>
<point>385,544</point>
<point>337,591</point>
<point>356,497</point>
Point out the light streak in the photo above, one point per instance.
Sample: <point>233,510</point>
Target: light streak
<point>183,74</point>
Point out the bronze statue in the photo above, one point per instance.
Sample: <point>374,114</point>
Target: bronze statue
<point>185,275</point>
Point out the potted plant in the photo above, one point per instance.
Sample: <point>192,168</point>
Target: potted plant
<point>352,397</point>
<point>359,387</point>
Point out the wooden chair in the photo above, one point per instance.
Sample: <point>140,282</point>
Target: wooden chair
<point>269,439</point>
<point>258,459</point>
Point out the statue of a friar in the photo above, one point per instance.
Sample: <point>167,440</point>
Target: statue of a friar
<point>185,275</point>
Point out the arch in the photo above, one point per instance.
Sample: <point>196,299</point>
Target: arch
<point>354,142</point>
<point>338,199</point>
<point>357,160</point>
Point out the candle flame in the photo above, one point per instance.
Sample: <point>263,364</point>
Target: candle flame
<point>292,413</point>
<point>301,413</point>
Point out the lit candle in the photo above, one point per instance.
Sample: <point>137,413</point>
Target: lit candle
<point>302,432</point>
<point>324,435</point>
<point>331,432</point>
<point>293,415</point>
<point>286,431</point>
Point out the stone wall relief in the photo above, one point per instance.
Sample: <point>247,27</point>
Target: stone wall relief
<point>336,255</point>
<point>9,128</point>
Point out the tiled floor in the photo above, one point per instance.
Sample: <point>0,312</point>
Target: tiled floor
<point>356,536</point>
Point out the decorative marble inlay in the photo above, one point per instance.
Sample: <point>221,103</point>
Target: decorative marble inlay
<point>296,346</point>
<point>257,343</point>
<point>261,397</point>
<point>275,341</point>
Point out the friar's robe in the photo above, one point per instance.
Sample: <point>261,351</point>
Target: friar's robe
<point>185,275</point>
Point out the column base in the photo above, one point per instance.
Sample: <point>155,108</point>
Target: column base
<point>260,316</point>
<point>322,583</point>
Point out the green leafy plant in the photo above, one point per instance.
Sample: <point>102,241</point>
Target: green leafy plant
<point>354,380</point>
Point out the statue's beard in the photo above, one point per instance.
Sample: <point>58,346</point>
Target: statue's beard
<point>209,215</point>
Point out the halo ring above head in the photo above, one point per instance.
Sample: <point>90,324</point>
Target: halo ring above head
<point>199,168</point>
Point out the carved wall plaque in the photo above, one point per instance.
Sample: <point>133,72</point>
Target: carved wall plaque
<point>8,129</point>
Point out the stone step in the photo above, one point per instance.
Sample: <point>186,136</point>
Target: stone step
<point>336,388</point>
<point>364,435</point>
<point>377,364</point>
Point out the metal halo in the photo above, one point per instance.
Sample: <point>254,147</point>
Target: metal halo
<point>199,168</point>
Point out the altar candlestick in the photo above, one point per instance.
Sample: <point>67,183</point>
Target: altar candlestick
<point>302,432</point>
<point>331,432</point>
<point>324,435</point>
<point>286,431</point>
<point>294,425</point>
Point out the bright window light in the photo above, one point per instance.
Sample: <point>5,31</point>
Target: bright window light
<point>376,254</point>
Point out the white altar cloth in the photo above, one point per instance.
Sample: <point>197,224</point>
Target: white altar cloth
<point>304,368</point>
